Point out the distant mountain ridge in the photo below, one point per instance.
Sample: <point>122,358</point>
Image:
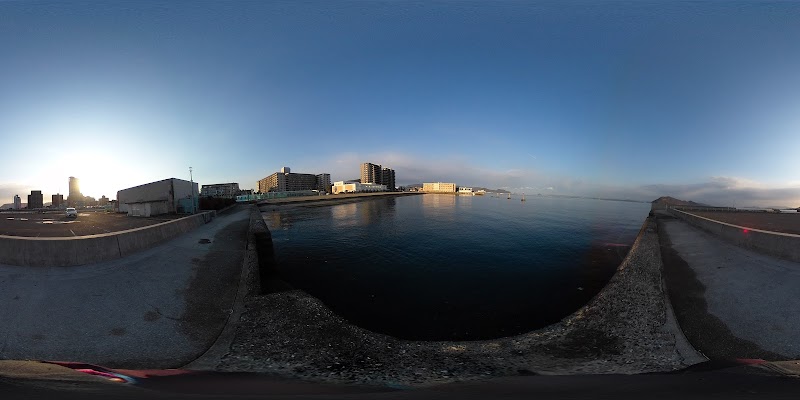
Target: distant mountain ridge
<point>671,201</point>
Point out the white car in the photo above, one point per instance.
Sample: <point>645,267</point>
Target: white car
<point>71,212</point>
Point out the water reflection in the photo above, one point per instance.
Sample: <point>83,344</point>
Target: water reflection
<point>276,220</point>
<point>371,211</point>
<point>439,205</point>
<point>345,214</point>
<point>280,218</point>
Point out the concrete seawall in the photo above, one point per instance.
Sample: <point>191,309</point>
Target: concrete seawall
<point>783,245</point>
<point>72,251</point>
<point>627,328</point>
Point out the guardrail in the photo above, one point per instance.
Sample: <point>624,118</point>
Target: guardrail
<point>80,250</point>
<point>778,244</point>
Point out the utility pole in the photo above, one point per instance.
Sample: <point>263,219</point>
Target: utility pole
<point>191,180</point>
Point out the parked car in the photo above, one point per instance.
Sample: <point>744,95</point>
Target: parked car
<point>72,213</point>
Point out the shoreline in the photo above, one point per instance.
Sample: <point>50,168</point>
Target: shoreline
<point>626,328</point>
<point>332,198</point>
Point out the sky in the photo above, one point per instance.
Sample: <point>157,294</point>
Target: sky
<point>696,100</point>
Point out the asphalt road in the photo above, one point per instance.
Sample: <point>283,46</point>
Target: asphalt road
<point>86,223</point>
<point>730,302</point>
<point>159,308</point>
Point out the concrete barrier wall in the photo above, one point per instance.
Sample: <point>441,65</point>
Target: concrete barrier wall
<point>265,251</point>
<point>783,245</point>
<point>72,251</point>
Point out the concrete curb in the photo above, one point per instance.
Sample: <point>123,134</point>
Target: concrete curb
<point>683,347</point>
<point>688,353</point>
<point>209,360</point>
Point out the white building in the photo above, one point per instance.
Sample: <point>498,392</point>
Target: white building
<point>17,202</point>
<point>357,187</point>
<point>465,190</point>
<point>169,196</point>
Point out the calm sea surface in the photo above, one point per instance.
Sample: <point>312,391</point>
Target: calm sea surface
<point>453,267</point>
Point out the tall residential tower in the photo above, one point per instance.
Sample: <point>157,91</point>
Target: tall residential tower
<point>370,173</point>
<point>74,198</point>
<point>373,173</point>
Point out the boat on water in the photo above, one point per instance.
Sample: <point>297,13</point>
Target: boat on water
<point>523,197</point>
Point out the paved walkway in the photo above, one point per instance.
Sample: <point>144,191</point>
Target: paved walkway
<point>731,302</point>
<point>159,308</point>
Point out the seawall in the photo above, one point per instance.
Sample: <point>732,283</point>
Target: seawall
<point>80,250</point>
<point>783,245</point>
<point>627,328</point>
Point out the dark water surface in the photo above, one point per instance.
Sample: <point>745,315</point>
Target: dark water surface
<point>446,267</point>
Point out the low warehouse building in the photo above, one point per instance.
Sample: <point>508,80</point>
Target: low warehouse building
<point>357,187</point>
<point>169,196</point>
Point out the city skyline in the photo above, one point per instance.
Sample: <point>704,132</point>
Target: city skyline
<point>692,100</point>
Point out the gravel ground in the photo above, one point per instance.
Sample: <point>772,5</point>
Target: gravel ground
<point>627,328</point>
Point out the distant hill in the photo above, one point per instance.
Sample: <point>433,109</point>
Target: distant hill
<point>11,205</point>
<point>671,201</point>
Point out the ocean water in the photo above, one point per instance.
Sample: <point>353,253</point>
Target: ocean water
<point>443,267</point>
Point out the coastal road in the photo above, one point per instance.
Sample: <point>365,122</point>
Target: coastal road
<point>730,302</point>
<point>158,308</point>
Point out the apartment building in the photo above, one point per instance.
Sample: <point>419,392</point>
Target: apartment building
<point>220,190</point>
<point>288,181</point>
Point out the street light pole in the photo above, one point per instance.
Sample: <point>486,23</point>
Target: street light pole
<point>191,181</point>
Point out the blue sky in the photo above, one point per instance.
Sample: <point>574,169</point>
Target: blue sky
<point>628,99</point>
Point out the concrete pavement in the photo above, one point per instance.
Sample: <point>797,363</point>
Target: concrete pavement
<point>159,308</point>
<point>731,302</point>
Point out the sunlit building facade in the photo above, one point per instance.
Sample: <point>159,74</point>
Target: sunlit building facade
<point>357,187</point>
<point>439,187</point>
<point>374,173</point>
<point>287,182</point>
<point>370,173</point>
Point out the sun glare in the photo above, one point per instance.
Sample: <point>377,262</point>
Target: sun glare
<point>95,171</point>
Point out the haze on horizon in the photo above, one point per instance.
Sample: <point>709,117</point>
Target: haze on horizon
<point>695,100</point>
